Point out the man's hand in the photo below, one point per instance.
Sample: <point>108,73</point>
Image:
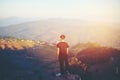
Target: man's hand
<point>67,50</point>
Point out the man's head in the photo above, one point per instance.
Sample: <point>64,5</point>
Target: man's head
<point>62,37</point>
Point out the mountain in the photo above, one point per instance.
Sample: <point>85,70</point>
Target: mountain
<point>97,55</point>
<point>76,31</point>
<point>14,20</point>
<point>96,63</point>
<point>81,46</point>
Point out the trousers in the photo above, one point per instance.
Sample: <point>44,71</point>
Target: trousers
<point>64,65</point>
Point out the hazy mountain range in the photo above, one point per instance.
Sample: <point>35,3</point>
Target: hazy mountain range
<point>14,20</point>
<point>76,31</point>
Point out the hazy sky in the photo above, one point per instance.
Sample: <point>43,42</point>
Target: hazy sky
<point>83,9</point>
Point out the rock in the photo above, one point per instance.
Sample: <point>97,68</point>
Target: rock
<point>73,77</point>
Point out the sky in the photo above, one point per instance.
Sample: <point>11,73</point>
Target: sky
<point>101,10</point>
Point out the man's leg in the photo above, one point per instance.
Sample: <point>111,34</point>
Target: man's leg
<point>66,63</point>
<point>61,62</point>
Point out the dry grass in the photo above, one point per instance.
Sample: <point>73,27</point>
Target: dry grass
<point>19,45</point>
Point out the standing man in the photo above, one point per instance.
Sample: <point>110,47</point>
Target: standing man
<point>62,51</point>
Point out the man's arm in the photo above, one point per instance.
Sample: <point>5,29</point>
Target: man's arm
<point>58,50</point>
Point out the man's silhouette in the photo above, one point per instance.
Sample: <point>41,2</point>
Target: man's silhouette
<point>62,51</point>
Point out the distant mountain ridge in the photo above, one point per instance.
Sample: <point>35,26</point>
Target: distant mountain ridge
<point>75,31</point>
<point>14,20</point>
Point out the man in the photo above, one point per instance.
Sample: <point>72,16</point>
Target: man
<point>62,51</point>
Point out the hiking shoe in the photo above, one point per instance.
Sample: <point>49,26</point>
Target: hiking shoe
<point>58,74</point>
